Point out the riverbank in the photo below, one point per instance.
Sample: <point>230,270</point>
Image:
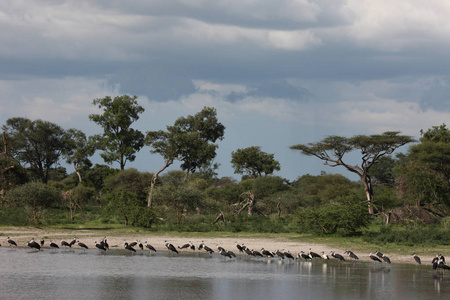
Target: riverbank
<point>116,239</point>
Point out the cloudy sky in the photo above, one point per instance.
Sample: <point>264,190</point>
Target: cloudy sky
<point>279,73</point>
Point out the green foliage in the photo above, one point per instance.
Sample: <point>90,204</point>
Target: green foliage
<point>131,180</point>
<point>346,215</point>
<point>119,141</point>
<point>11,173</point>
<point>254,162</point>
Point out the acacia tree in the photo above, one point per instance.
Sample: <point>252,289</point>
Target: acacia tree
<point>332,150</point>
<point>253,161</point>
<point>190,140</point>
<point>119,141</point>
<point>38,144</point>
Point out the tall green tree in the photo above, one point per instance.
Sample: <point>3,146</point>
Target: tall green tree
<point>119,142</point>
<point>38,144</point>
<point>79,153</point>
<point>332,150</point>
<point>190,140</point>
<point>253,161</point>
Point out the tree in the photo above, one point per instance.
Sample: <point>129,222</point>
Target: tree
<point>79,153</point>
<point>35,195</point>
<point>119,141</point>
<point>190,140</point>
<point>38,144</point>
<point>253,161</point>
<point>333,148</point>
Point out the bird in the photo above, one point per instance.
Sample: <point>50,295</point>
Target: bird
<point>324,256</point>
<point>375,258</point>
<point>129,247</point>
<point>417,258</point>
<point>33,244</point>
<point>11,242</point>
<point>313,254</point>
<point>386,259</point>
<point>256,253</point>
<point>279,254</point>
<point>170,247</point>
<point>288,254</point>
<point>73,242</point>
<point>239,247</point>
<point>337,255</point>
<point>248,251</point>
<point>140,245</point>
<point>351,254</point>
<point>82,245</point>
<point>65,244</point>
<point>100,246</point>
<point>207,249</point>
<point>132,244</point>
<point>200,247</point>
<point>54,245</point>
<point>379,254</point>
<point>266,253</point>
<point>187,245</point>
<point>304,256</point>
<point>149,247</point>
<point>42,242</point>
<point>231,253</point>
<point>223,252</point>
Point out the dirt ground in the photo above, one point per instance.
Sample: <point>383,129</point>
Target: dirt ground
<point>117,239</point>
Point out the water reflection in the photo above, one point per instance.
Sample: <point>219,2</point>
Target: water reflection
<point>118,275</point>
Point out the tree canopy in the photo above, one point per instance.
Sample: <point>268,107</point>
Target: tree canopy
<point>119,141</point>
<point>253,161</point>
<point>332,150</point>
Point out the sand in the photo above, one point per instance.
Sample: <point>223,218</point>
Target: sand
<point>116,241</point>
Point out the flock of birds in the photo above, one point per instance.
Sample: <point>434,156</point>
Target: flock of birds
<point>438,262</point>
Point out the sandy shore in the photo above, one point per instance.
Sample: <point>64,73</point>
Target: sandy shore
<point>116,241</point>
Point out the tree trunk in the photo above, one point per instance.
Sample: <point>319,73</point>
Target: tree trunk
<point>369,192</point>
<point>178,216</point>
<point>153,181</point>
<point>77,172</point>
<point>279,207</point>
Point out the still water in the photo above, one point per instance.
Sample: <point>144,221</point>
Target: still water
<point>78,274</point>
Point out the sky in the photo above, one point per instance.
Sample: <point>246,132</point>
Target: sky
<point>279,73</point>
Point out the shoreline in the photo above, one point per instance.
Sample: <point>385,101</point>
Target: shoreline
<point>117,239</point>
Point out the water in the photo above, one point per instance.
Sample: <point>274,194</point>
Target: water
<point>78,274</point>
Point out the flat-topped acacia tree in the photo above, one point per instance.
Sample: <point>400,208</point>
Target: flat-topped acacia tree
<point>190,140</point>
<point>333,148</point>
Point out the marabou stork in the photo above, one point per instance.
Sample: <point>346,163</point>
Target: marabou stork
<point>170,247</point>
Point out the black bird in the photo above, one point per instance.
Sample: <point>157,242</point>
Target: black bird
<point>313,254</point>
<point>374,257</point>
<point>53,245</point>
<point>239,247</point>
<point>304,256</point>
<point>187,245</point>
<point>42,242</point>
<point>337,255</point>
<point>279,254</point>
<point>386,259</point>
<point>200,247</point>
<point>417,258</point>
<point>149,247</point>
<point>266,253</point>
<point>65,244</point>
<point>129,247</point>
<point>192,246</point>
<point>223,252</point>
<point>379,254</point>
<point>351,254</point>
<point>140,245</point>
<point>170,247</point>
<point>256,253</point>
<point>248,251</point>
<point>231,253</point>
<point>132,244</point>
<point>207,249</point>
<point>33,244</point>
<point>11,242</point>
<point>73,242</point>
<point>100,246</point>
<point>288,254</point>
<point>82,245</point>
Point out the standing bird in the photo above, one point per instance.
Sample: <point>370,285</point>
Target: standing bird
<point>11,242</point>
<point>223,252</point>
<point>279,254</point>
<point>248,251</point>
<point>82,245</point>
<point>65,244</point>
<point>304,256</point>
<point>73,242</point>
<point>324,256</point>
<point>416,258</point>
<point>140,245</point>
<point>351,254</point>
<point>207,249</point>
<point>256,253</point>
<point>288,254</point>
<point>375,258</point>
<point>170,247</point>
<point>313,254</point>
<point>266,253</point>
<point>239,247</point>
<point>33,244</point>
<point>149,247</point>
<point>379,254</point>
<point>337,255</point>
<point>53,245</point>
<point>100,246</point>
<point>129,247</point>
<point>200,247</point>
<point>42,242</point>
<point>386,259</point>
